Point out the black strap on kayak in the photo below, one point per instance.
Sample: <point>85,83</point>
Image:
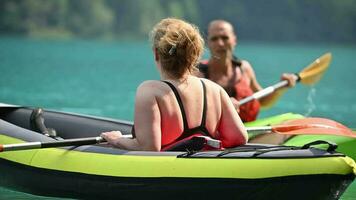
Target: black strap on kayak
<point>259,151</point>
<point>331,146</point>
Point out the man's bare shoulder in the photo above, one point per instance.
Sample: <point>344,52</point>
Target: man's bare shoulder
<point>246,66</point>
<point>248,69</point>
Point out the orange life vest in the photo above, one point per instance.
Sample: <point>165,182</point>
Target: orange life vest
<point>239,90</point>
<point>249,111</point>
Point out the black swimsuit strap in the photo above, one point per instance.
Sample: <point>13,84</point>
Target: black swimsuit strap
<point>203,68</point>
<point>180,103</point>
<point>203,118</point>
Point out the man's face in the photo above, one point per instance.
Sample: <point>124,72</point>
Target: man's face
<point>221,40</point>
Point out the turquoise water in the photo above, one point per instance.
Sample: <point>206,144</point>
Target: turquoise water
<point>100,78</point>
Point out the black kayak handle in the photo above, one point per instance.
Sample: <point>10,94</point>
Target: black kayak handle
<point>331,146</point>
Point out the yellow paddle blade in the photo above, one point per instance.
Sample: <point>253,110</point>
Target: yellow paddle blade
<point>312,74</point>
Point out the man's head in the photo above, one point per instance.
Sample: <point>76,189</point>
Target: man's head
<point>221,38</point>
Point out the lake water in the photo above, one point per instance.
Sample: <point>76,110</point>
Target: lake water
<point>100,78</point>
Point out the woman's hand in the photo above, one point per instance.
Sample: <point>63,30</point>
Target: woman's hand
<point>291,78</point>
<point>111,137</point>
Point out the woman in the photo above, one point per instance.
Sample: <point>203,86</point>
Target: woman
<point>181,105</point>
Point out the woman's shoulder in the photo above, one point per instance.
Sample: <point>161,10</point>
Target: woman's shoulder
<point>151,87</point>
<point>211,84</point>
<point>216,91</point>
<point>149,84</point>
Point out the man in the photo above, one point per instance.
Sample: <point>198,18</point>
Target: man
<point>236,76</point>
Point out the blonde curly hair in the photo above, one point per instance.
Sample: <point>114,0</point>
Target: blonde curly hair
<point>178,44</point>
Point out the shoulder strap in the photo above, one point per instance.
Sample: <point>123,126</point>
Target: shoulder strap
<point>180,103</point>
<point>203,118</point>
<point>236,61</point>
<point>230,89</point>
<point>203,68</point>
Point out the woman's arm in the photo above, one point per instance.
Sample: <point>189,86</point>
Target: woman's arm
<point>231,129</point>
<point>114,138</point>
<point>147,122</point>
<point>147,116</point>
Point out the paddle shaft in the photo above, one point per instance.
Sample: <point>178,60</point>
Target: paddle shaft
<point>262,93</point>
<point>259,129</point>
<point>292,127</point>
<point>82,141</point>
<point>56,143</point>
<point>309,75</point>
<point>59,143</point>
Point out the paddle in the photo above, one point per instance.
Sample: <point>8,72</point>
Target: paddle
<point>306,126</point>
<point>308,76</point>
<point>57,143</point>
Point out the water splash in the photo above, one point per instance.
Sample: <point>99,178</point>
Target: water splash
<point>310,106</point>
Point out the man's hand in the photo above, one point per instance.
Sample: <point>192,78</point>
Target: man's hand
<point>236,104</point>
<point>291,78</point>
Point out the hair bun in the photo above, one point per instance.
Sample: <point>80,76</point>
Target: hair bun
<point>181,39</point>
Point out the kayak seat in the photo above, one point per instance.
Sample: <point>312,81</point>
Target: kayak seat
<point>194,143</point>
<point>37,124</point>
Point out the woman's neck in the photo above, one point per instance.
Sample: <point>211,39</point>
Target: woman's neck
<point>182,79</point>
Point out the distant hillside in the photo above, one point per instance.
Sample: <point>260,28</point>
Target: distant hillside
<point>274,20</point>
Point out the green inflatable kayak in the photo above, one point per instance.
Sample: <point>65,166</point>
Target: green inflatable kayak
<point>345,144</point>
<point>252,171</point>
